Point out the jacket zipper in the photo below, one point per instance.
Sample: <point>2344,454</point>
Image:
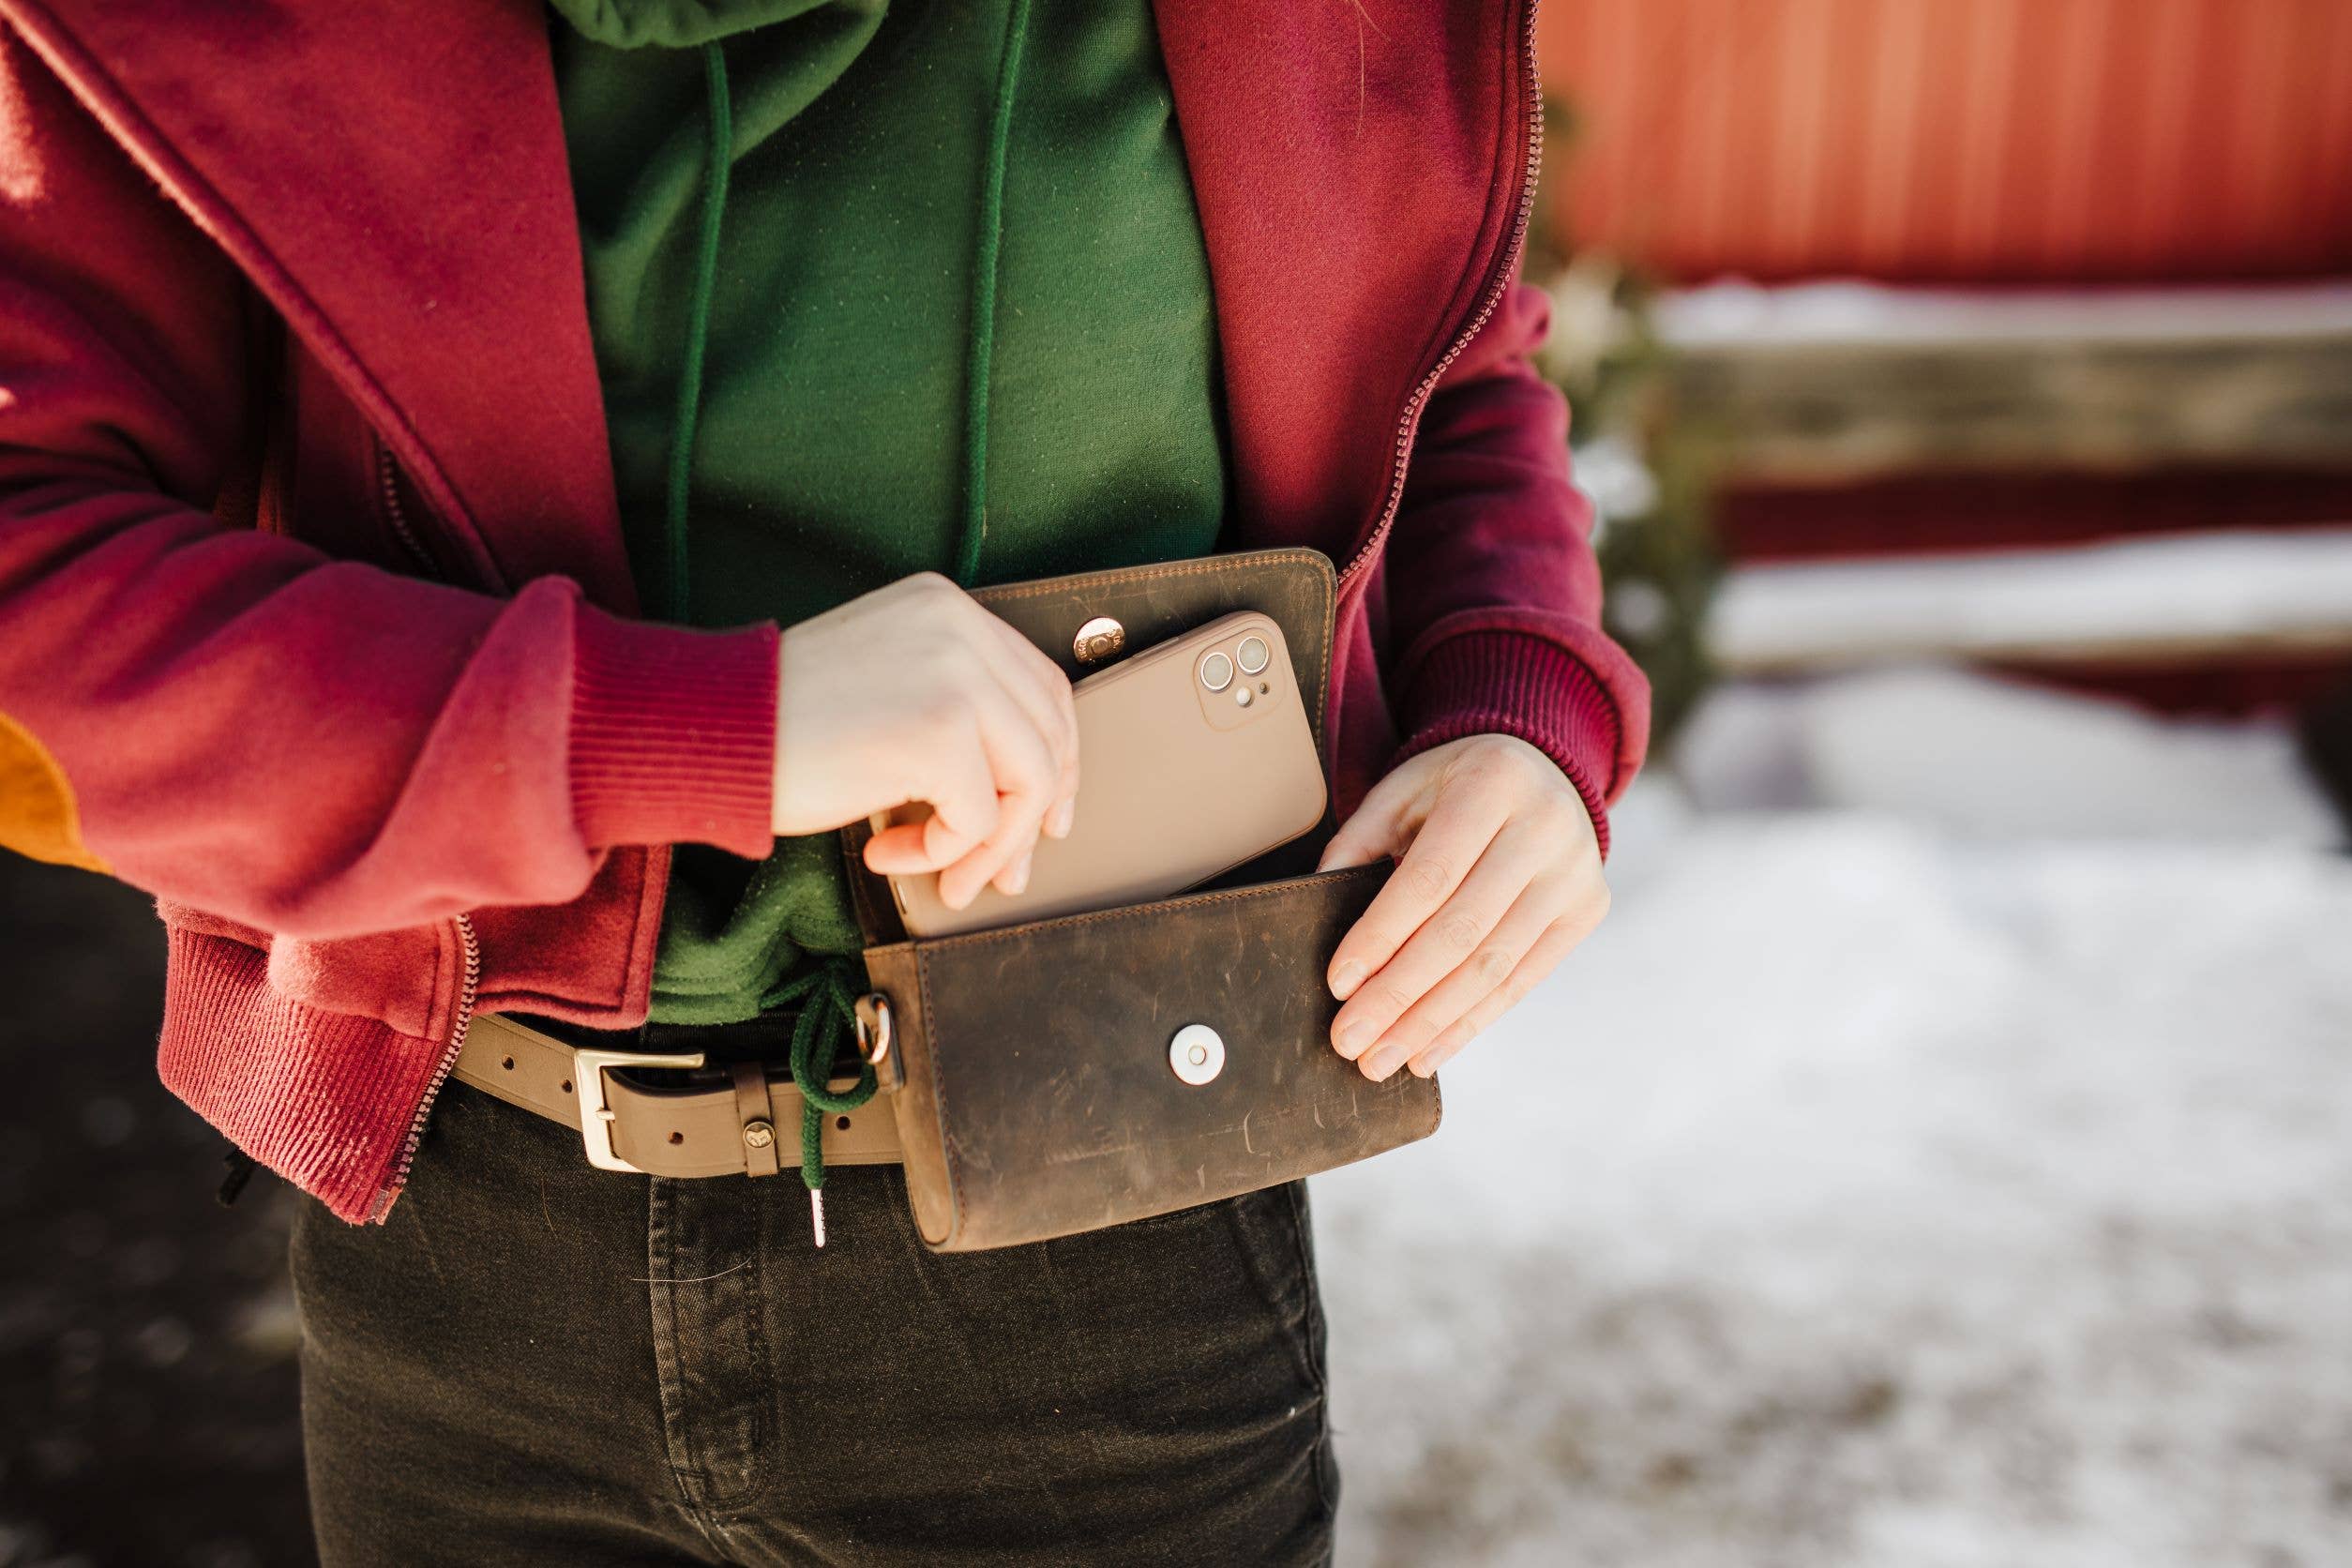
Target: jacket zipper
<point>469,941</point>
<point>1498,279</point>
<point>469,988</point>
<point>388,485</point>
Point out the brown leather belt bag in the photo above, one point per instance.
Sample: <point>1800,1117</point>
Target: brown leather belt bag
<point>1068,1074</point>
<point>1081,1072</point>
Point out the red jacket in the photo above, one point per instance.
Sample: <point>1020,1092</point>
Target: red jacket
<point>401,752</point>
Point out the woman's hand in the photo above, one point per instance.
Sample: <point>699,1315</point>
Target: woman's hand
<point>1501,877</point>
<point>914,693</point>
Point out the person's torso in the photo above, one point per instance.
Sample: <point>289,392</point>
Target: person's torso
<point>833,445</point>
<point>411,221</point>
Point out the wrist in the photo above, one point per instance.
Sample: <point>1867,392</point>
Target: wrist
<point>1505,681</point>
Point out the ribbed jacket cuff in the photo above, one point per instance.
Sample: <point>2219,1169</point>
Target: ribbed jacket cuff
<point>1512,682</point>
<point>673,735</point>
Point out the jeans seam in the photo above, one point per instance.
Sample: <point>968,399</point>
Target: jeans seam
<point>1315,1330</point>
<point>690,1471</point>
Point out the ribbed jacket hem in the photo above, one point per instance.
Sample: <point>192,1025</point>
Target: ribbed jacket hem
<point>673,735</point>
<point>324,1099</point>
<point>1512,682</point>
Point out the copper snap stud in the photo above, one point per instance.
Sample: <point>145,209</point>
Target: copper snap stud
<point>1100,638</point>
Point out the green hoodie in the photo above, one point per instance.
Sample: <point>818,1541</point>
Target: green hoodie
<point>831,452</point>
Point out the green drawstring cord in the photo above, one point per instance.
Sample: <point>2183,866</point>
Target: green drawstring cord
<point>983,338</point>
<point>718,161</point>
<point>826,992</point>
<point>829,988</point>
<point>980,347</point>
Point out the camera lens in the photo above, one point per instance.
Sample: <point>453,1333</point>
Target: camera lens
<point>1253,653</point>
<point>1216,672</point>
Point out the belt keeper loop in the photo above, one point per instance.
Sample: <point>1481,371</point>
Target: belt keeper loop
<point>751,1106</point>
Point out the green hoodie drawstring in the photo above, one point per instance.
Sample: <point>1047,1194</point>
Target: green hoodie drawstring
<point>981,344</point>
<point>826,992</point>
<point>718,158</point>
<point>829,989</point>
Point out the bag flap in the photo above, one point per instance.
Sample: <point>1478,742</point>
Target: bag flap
<point>1045,1100</point>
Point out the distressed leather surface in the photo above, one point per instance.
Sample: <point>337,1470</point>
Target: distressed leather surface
<point>1295,587</point>
<point>1039,1100</point>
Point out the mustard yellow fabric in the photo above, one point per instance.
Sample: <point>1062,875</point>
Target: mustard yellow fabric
<point>37,815</point>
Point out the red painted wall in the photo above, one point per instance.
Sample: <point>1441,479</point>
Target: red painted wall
<point>1979,140</point>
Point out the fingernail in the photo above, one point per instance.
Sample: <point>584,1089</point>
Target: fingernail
<point>1021,874</point>
<point>1377,1066</point>
<point>1351,1039</point>
<point>1064,815</point>
<point>1346,979</point>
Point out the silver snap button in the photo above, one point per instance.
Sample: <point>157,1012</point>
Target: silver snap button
<point>1197,1053</point>
<point>759,1135</point>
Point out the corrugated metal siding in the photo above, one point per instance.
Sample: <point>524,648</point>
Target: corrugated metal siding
<point>1978,140</point>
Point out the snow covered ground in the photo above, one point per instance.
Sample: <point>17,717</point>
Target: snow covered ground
<point>1920,1170</point>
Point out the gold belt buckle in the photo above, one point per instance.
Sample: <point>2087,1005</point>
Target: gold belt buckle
<point>589,1066</point>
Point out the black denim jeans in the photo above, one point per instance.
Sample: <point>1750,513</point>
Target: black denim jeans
<point>537,1362</point>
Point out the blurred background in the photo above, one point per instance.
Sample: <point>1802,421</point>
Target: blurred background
<point>1943,1157</point>
<point>1944,1154</point>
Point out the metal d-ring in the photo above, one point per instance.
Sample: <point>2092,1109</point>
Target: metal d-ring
<point>871,1026</point>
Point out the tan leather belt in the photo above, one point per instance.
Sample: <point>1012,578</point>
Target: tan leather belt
<point>750,1126</point>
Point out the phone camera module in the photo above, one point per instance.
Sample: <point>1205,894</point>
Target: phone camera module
<point>1254,654</point>
<point>1216,672</point>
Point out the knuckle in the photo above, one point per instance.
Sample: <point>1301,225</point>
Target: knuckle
<point>1428,877</point>
<point>943,708</point>
<point>1391,999</point>
<point>1475,768</point>
<point>1493,966</point>
<point>943,661</point>
<point>1458,930</point>
<point>1558,817</point>
<point>1410,1033</point>
<point>932,588</point>
<point>1493,761</point>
